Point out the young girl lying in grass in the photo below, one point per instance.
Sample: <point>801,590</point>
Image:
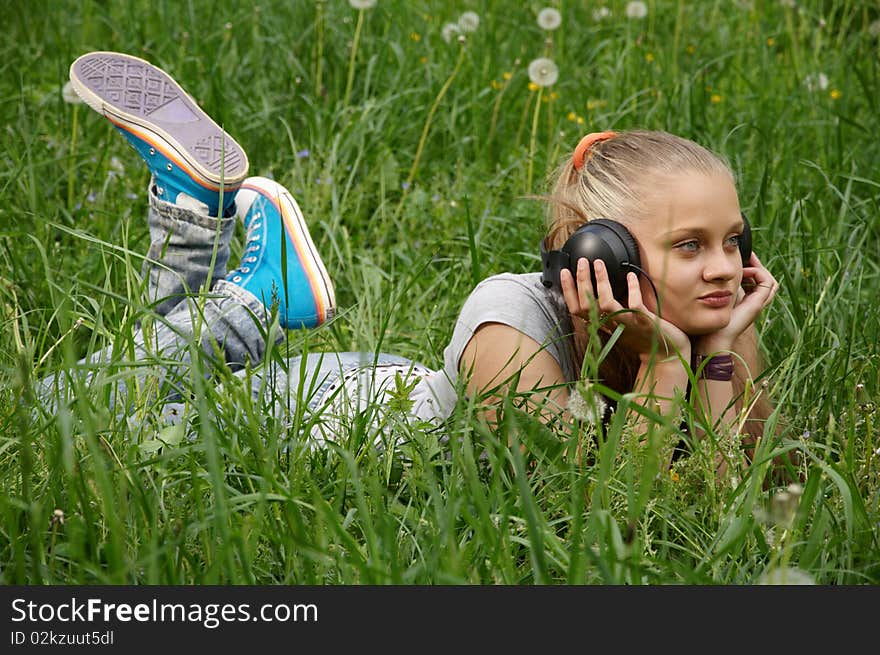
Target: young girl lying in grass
<point>658,281</point>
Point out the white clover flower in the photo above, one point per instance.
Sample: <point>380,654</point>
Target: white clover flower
<point>70,96</point>
<point>600,13</point>
<point>543,72</point>
<point>362,4</point>
<point>449,30</point>
<point>786,575</point>
<point>469,21</point>
<point>816,82</point>
<point>636,9</point>
<point>586,405</point>
<point>549,19</point>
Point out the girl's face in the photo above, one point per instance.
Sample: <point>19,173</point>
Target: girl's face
<point>689,245</point>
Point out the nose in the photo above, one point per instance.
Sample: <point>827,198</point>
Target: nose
<point>722,265</point>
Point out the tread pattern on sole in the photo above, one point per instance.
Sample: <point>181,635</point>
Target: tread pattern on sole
<point>142,90</point>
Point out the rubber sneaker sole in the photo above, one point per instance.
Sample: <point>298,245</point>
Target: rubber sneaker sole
<point>146,102</point>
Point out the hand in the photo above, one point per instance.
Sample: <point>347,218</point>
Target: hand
<point>747,308</point>
<point>643,330</point>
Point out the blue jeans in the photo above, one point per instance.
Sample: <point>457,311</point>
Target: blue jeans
<point>186,248</point>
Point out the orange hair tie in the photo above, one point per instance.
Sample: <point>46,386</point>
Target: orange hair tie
<point>585,143</point>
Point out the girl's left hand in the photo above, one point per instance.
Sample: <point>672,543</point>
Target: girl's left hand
<point>748,306</point>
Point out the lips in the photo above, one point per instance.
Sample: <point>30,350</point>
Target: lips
<point>717,299</point>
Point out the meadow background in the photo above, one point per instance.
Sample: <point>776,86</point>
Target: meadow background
<point>411,156</point>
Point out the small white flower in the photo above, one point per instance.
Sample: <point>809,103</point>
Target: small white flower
<point>362,4</point>
<point>549,19</point>
<point>543,72</point>
<point>636,9</point>
<point>70,96</point>
<point>874,28</point>
<point>469,21</point>
<point>600,13</point>
<point>449,30</point>
<point>816,82</point>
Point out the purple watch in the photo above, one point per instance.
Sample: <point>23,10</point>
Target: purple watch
<point>717,367</point>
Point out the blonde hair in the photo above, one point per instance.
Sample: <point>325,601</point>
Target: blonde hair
<point>617,181</point>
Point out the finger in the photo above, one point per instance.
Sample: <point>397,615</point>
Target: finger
<point>607,303</point>
<point>585,283</point>
<point>634,291</point>
<point>569,293</point>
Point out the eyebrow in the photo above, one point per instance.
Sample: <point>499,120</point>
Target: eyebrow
<point>737,227</point>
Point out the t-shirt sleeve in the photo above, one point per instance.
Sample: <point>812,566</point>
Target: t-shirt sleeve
<point>514,300</point>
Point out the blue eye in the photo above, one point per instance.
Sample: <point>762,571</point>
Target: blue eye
<point>734,240</point>
<point>688,246</point>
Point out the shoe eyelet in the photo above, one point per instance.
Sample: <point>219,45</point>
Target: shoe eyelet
<point>251,260</point>
<point>152,151</point>
<point>160,191</point>
<point>245,269</point>
<point>168,167</point>
<point>236,278</point>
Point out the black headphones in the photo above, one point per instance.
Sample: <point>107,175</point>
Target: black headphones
<point>611,242</point>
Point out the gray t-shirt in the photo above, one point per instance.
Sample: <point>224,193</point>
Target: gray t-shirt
<point>517,300</point>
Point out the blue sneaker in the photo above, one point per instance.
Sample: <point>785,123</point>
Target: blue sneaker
<point>280,262</point>
<point>189,155</point>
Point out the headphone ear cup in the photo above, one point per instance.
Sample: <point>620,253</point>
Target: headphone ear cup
<point>611,242</point>
<point>745,241</point>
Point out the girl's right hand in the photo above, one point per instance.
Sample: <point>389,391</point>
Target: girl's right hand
<point>644,332</point>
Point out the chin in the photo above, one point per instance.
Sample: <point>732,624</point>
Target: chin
<point>702,328</point>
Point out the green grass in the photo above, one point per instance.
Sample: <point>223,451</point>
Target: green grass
<point>234,505</point>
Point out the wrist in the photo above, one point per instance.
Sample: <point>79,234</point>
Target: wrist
<point>713,344</point>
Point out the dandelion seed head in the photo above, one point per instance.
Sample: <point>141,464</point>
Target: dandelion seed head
<point>786,575</point>
<point>636,9</point>
<point>362,4</point>
<point>70,96</point>
<point>469,21</point>
<point>543,72</point>
<point>586,405</point>
<point>601,13</point>
<point>448,31</point>
<point>57,517</point>
<point>816,82</point>
<point>549,19</point>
